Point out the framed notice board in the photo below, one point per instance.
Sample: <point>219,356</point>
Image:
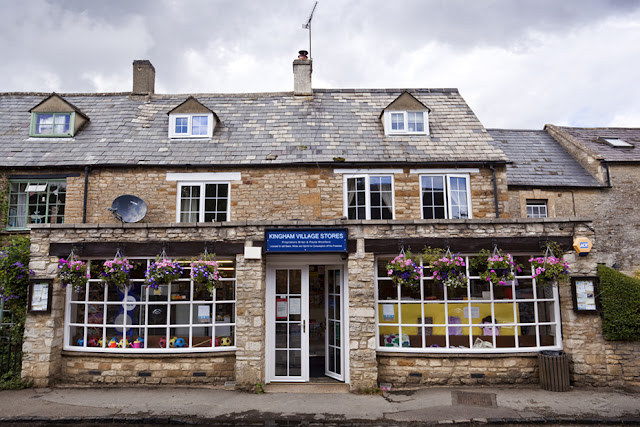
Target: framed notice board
<point>585,294</point>
<point>40,295</point>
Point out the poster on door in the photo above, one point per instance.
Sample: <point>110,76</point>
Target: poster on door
<point>282,310</point>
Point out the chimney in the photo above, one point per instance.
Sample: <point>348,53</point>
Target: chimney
<point>302,75</point>
<point>144,77</point>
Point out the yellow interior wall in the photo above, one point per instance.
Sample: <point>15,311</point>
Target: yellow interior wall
<point>412,312</point>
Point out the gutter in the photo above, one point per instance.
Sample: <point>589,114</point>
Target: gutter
<point>86,189</point>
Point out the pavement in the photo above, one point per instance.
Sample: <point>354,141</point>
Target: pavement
<point>528,405</point>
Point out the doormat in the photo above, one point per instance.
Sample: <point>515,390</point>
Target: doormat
<point>473,399</point>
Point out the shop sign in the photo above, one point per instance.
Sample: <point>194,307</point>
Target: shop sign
<point>316,240</point>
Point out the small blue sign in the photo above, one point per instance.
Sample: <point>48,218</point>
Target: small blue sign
<point>584,245</point>
<point>315,240</point>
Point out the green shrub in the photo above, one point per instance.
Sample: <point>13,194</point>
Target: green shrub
<point>620,299</point>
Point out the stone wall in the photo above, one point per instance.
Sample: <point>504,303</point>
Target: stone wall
<point>285,193</point>
<point>43,332</point>
<point>250,322</point>
<point>409,371</point>
<point>109,369</point>
<point>362,320</point>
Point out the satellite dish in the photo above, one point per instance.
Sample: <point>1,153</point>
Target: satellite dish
<point>128,208</point>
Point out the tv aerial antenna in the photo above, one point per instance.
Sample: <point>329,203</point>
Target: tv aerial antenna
<point>307,26</point>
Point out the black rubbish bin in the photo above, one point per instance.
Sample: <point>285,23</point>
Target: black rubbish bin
<point>554,370</point>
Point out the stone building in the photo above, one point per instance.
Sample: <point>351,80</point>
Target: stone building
<point>304,197</point>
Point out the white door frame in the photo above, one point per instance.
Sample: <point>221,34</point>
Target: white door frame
<point>340,376</point>
<point>302,261</point>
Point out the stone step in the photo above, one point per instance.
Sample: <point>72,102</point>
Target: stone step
<point>315,388</point>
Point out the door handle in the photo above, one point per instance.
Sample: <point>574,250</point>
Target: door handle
<point>303,324</point>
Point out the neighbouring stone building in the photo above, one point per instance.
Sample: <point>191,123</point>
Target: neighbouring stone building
<point>304,197</point>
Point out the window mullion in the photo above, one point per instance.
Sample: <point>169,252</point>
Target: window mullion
<point>447,193</point>
<point>367,196</point>
<point>203,188</point>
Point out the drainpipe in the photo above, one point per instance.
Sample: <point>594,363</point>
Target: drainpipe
<point>606,166</point>
<point>86,189</point>
<point>495,191</point>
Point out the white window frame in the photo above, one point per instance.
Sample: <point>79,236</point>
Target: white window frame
<point>405,131</point>
<point>72,298</point>
<point>555,321</point>
<point>447,178</point>
<point>202,185</point>
<point>367,178</point>
<point>189,117</point>
<point>537,204</point>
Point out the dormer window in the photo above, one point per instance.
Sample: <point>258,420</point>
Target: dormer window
<point>192,119</point>
<point>406,115</point>
<point>191,125</point>
<point>55,117</point>
<point>407,122</point>
<point>52,124</point>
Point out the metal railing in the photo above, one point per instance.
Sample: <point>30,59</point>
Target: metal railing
<point>10,346</point>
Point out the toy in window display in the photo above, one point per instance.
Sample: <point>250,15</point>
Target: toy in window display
<point>163,342</point>
<point>93,342</point>
<point>224,341</point>
<point>177,342</point>
<point>138,343</point>
<point>113,343</point>
<point>81,342</point>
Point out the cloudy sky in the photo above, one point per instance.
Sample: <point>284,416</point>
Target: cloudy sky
<point>518,63</point>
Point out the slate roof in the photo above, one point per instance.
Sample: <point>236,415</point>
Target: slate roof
<point>132,130</point>
<point>539,160</point>
<point>590,139</point>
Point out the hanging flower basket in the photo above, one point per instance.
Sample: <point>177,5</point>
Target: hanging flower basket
<point>204,272</point>
<point>117,272</point>
<point>73,272</point>
<point>451,271</point>
<point>161,272</point>
<point>500,269</point>
<point>548,269</point>
<point>403,270</point>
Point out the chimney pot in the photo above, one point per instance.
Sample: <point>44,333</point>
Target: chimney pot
<point>302,69</point>
<point>144,77</point>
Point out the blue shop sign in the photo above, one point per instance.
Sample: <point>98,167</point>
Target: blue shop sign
<point>325,240</point>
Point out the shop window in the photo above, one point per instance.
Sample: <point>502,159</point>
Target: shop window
<point>203,202</point>
<point>36,202</point>
<point>521,316</point>
<point>178,317</point>
<point>368,196</point>
<point>445,196</point>
<point>536,208</point>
